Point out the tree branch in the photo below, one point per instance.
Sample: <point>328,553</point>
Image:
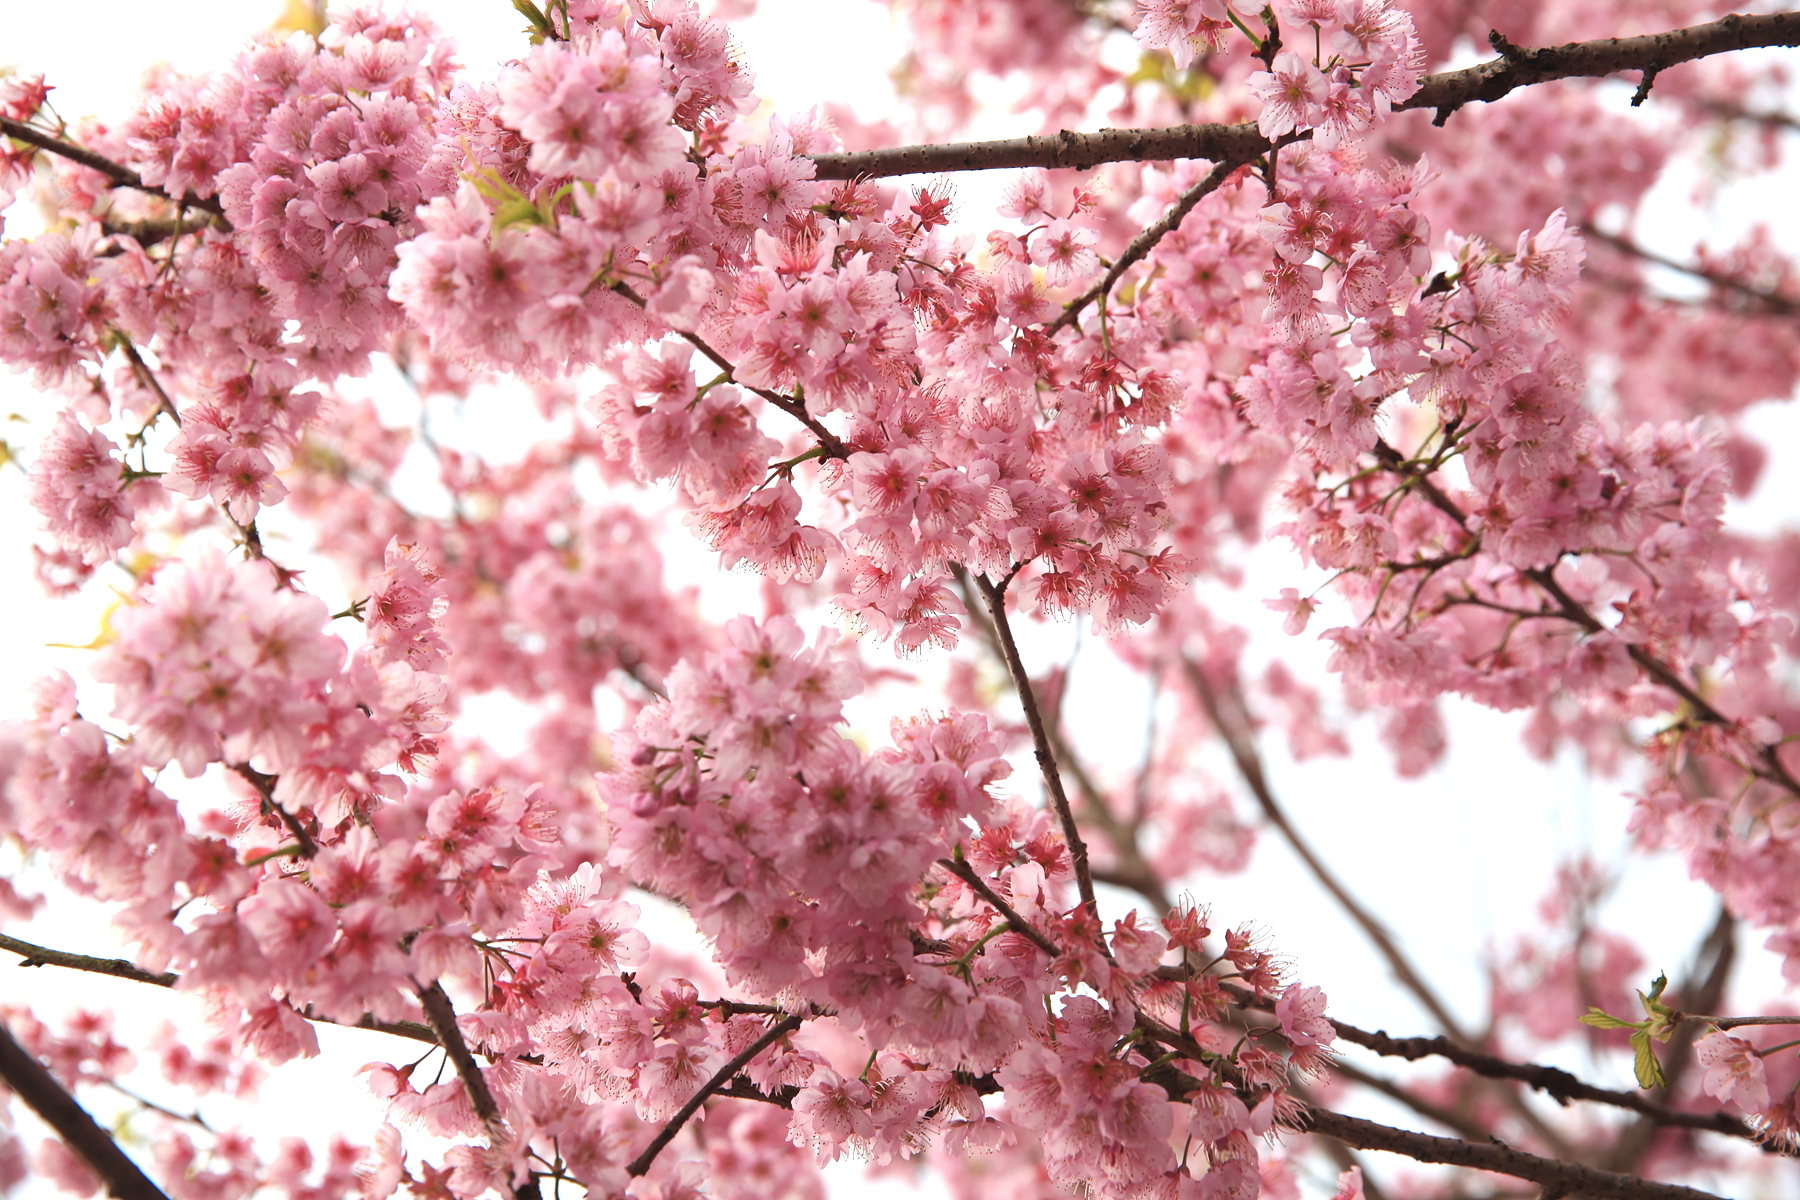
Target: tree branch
<point>829,443</point>
<point>1235,732</point>
<point>265,784</point>
<point>1447,91</point>
<point>1063,149</point>
<point>1522,66</point>
<point>1770,768</point>
<point>1567,1178</point>
<point>725,1075</point>
<point>43,956</point>
<point>441,1015</point>
<point>966,873</point>
<point>1772,302</point>
<point>34,955</point>
<point>1146,241</point>
<point>121,175</point>
<point>1553,1081</point>
<point>995,595</point>
<point>1133,872</point>
<point>28,1079</point>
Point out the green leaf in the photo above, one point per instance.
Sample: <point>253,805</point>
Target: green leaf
<point>519,211</point>
<point>1649,1071</point>
<point>1662,1019</point>
<point>540,24</point>
<point>1605,1020</point>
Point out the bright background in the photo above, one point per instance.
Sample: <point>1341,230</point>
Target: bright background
<point>1454,862</point>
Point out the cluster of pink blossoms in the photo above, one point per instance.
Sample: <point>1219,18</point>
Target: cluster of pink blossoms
<point>800,858</point>
<point>864,405</point>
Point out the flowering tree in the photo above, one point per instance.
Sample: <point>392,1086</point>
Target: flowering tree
<point>1320,274</point>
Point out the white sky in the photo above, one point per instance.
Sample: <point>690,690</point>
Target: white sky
<point>1453,861</point>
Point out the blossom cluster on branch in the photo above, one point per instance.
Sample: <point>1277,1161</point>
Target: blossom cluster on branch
<point>1431,343</point>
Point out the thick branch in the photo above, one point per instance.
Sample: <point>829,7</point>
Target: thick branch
<point>121,175</point>
<point>1522,66</point>
<point>28,1079</point>
<point>34,955</point>
<point>441,1015</point>
<point>1447,91</point>
<point>1066,148</point>
<point>717,1083</point>
<point>995,595</point>
<point>1565,1178</point>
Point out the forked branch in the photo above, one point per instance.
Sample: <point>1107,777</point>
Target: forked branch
<point>720,1080</point>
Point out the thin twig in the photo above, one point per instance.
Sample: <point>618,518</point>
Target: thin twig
<point>720,1079</point>
<point>28,1079</point>
<point>1146,241</point>
<point>1235,732</point>
<point>34,955</point>
<point>966,873</point>
<point>1133,872</point>
<point>1773,302</point>
<point>830,445</point>
<point>147,377</point>
<point>1552,1081</point>
<point>265,784</point>
<point>121,175</point>
<point>995,595</point>
<point>1770,768</point>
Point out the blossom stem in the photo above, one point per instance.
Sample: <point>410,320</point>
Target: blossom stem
<point>28,1079</point>
<point>995,596</point>
<point>720,1079</point>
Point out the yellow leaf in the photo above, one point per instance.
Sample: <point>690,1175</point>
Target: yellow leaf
<point>303,16</point>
